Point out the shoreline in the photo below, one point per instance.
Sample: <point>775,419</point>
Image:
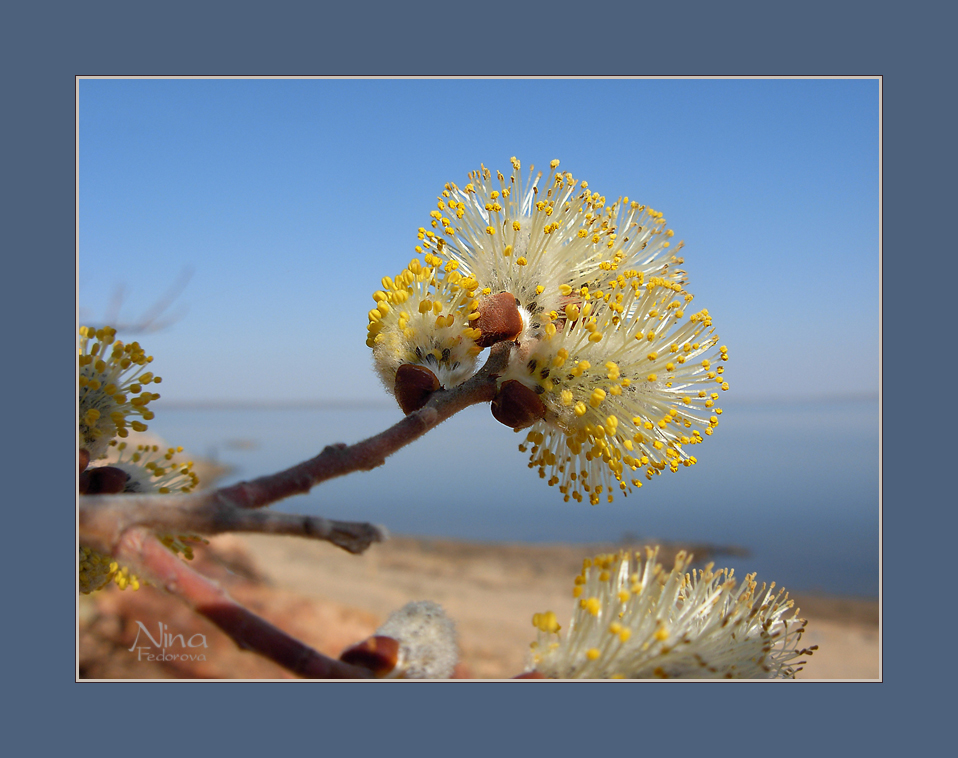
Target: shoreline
<point>331,600</point>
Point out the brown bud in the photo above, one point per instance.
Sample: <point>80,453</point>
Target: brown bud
<point>414,385</point>
<point>498,320</point>
<point>83,458</point>
<point>531,675</point>
<point>104,480</point>
<point>378,654</point>
<point>517,406</point>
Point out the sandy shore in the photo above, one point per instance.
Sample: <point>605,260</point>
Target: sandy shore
<point>331,599</point>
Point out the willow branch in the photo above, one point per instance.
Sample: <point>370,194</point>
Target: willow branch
<point>104,518</point>
<point>150,320</point>
<point>337,460</point>
<point>147,556</point>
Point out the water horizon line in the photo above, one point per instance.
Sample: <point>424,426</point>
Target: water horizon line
<point>388,404</point>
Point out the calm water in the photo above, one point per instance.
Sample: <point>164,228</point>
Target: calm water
<point>796,485</point>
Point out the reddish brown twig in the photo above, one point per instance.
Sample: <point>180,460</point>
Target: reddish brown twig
<point>124,525</point>
<point>337,460</point>
<point>147,556</point>
<point>103,519</point>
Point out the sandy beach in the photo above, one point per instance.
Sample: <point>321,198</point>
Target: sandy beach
<point>331,599</point>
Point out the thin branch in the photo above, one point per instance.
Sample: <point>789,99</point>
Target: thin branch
<point>150,320</point>
<point>112,315</point>
<point>104,518</point>
<point>338,460</point>
<point>125,525</point>
<point>143,552</point>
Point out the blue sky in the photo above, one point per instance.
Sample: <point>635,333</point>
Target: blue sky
<point>290,200</point>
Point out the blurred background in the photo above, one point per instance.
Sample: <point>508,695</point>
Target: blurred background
<point>237,229</point>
